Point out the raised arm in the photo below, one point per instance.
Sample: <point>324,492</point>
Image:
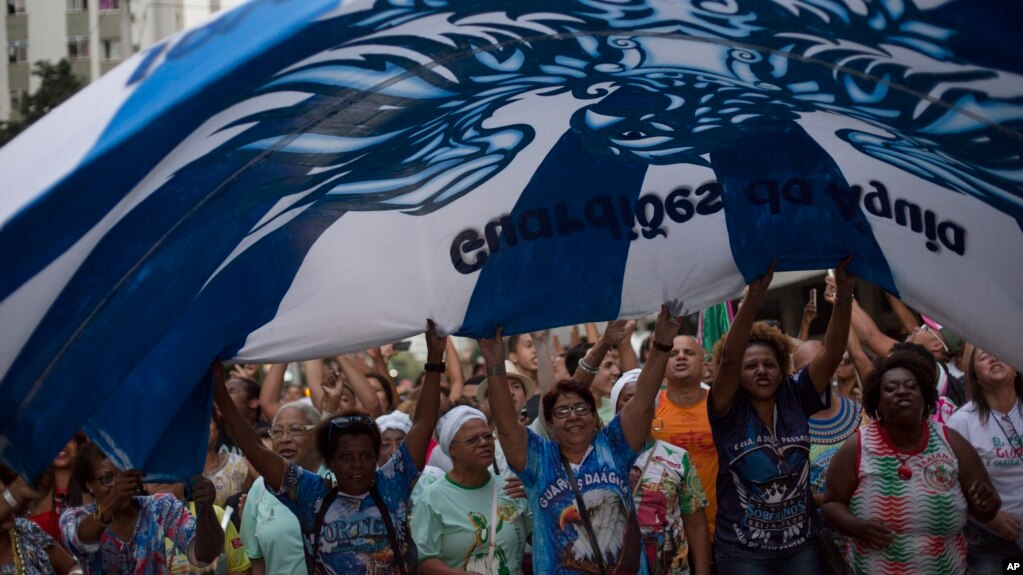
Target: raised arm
<point>360,385</point>
<point>614,332</point>
<point>726,381</point>
<point>456,377</point>
<point>906,317</point>
<point>835,339</point>
<point>809,314</point>
<point>863,326</point>
<point>270,392</point>
<point>502,407</point>
<point>639,412</point>
<point>860,360</point>
<point>627,359</point>
<point>544,362</point>
<point>313,370</point>
<point>427,409</point>
<point>270,465</point>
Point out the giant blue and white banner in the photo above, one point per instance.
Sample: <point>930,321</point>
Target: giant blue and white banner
<point>306,177</point>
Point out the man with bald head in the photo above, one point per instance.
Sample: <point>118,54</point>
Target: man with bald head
<point>805,353</point>
<point>681,417</point>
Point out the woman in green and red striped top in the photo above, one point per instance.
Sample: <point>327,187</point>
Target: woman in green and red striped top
<point>903,485</point>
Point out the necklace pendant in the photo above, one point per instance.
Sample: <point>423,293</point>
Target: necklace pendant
<point>905,472</point>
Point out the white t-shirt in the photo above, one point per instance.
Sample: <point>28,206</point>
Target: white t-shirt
<point>999,441</point>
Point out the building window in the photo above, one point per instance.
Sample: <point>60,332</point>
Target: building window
<point>78,47</point>
<point>77,5</point>
<point>112,49</point>
<point>16,97</point>
<point>17,51</point>
<point>16,6</point>
<point>109,4</point>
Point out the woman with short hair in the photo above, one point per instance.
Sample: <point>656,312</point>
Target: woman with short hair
<point>578,481</point>
<point>359,525</point>
<point>903,485</point>
<point>269,530</point>
<point>759,412</point>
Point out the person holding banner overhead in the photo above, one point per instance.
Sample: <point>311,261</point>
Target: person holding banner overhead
<point>465,521</point>
<point>766,520</point>
<point>577,483</point>
<point>360,524</point>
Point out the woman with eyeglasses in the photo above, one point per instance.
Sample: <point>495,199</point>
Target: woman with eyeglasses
<point>465,522</point>
<point>902,486</point>
<point>766,519</point>
<point>123,532</point>
<point>269,530</point>
<point>360,524</point>
<point>992,422</point>
<point>577,482</point>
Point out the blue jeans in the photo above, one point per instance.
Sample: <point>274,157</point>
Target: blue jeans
<point>803,559</point>
<point>985,551</point>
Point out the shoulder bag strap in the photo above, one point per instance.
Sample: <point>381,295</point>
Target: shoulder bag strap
<point>310,553</point>
<point>581,506</point>
<point>392,535</point>
<point>492,536</point>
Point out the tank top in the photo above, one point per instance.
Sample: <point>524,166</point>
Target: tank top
<point>927,511</point>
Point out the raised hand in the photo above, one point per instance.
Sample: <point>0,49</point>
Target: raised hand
<point>492,348</point>
<point>435,343</point>
<point>202,491</point>
<point>845,282</point>
<point>127,484</point>
<point>666,327</point>
<point>763,282</point>
<point>618,330</point>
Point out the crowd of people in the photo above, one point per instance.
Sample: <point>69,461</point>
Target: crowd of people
<point>770,453</point>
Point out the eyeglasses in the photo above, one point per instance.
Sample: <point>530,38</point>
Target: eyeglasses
<point>937,335</point>
<point>343,421</point>
<point>106,480</point>
<point>476,439</point>
<point>293,431</point>
<point>563,411</point>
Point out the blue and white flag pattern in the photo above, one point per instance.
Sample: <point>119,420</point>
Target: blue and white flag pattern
<point>306,177</point>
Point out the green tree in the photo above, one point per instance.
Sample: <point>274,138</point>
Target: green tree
<point>57,84</point>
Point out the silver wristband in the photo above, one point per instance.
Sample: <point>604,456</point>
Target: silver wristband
<point>9,498</point>
<point>587,367</point>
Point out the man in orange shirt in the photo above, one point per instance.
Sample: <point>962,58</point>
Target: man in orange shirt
<point>681,417</point>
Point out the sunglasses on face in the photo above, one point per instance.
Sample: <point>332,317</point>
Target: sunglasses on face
<point>293,431</point>
<point>563,411</point>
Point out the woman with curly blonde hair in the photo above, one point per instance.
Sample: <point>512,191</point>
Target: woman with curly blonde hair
<point>766,519</point>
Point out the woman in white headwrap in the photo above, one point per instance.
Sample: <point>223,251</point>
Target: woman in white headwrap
<point>393,428</point>
<point>465,521</point>
<point>669,500</point>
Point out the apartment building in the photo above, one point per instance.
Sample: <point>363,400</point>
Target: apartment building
<point>94,35</point>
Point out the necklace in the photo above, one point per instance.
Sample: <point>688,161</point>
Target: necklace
<point>17,552</point>
<point>904,472</point>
